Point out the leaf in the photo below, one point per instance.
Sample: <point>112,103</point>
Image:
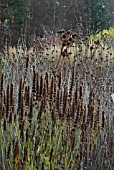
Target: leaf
<point>45,159</point>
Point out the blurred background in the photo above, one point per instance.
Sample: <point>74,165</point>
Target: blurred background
<point>25,18</point>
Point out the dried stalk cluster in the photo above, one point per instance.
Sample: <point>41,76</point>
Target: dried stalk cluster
<point>56,104</point>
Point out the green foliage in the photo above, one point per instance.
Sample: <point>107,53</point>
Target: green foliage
<point>16,12</point>
<point>98,17</point>
<point>47,142</point>
<point>106,33</point>
<point>85,16</point>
